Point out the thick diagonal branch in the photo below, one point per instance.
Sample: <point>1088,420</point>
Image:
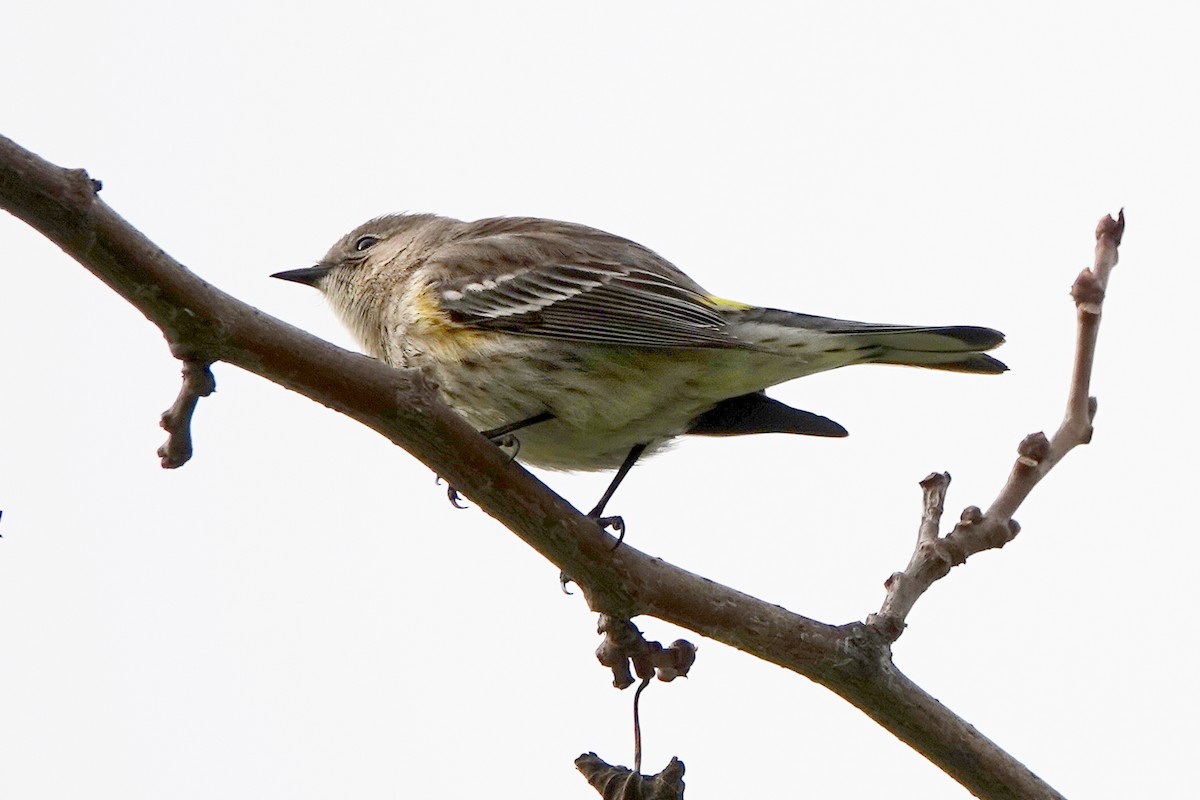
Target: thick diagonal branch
<point>850,660</point>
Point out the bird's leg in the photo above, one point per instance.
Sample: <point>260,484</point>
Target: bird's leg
<point>616,523</point>
<point>501,437</point>
<point>504,430</point>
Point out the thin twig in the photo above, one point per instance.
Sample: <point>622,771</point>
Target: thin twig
<point>637,726</point>
<point>198,382</point>
<point>1036,456</point>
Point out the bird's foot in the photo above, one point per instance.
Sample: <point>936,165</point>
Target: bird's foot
<point>452,494</point>
<point>503,437</point>
<point>507,441</point>
<point>617,524</point>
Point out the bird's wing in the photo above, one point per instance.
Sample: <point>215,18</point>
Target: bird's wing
<point>564,281</point>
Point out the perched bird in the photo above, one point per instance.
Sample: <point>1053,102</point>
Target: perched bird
<point>598,350</point>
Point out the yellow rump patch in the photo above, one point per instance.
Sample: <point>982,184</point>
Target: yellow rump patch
<point>721,302</point>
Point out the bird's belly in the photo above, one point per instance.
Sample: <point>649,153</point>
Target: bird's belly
<point>604,400</point>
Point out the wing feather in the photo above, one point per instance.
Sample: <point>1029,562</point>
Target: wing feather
<point>563,281</point>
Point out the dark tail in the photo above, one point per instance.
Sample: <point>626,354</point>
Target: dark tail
<point>955,348</point>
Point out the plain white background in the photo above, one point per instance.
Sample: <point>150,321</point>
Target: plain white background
<point>299,613</point>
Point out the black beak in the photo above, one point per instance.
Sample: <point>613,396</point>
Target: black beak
<point>309,276</point>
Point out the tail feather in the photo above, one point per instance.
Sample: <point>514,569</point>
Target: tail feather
<point>957,348</point>
<point>954,348</point>
<point>950,362</point>
<point>949,339</point>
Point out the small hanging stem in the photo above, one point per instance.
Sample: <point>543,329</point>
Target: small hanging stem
<point>637,728</point>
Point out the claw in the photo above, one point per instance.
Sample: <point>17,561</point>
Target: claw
<point>618,526</point>
<point>563,580</point>
<point>506,441</point>
<point>451,493</point>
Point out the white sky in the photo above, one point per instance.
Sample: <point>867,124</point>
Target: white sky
<point>298,613</point>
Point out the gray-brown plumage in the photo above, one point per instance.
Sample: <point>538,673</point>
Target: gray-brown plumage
<point>609,343</point>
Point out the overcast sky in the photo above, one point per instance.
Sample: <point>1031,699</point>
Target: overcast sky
<point>299,613</point>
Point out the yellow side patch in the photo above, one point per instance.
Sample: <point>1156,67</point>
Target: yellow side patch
<point>441,336</point>
<point>721,302</point>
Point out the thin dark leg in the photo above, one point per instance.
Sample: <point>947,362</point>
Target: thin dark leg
<point>616,523</point>
<point>626,465</point>
<point>497,436</point>
<point>504,430</point>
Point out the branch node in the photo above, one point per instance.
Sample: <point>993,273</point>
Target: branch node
<point>889,626</point>
<point>79,181</point>
<point>680,655</point>
<point>970,515</point>
<point>1088,292</point>
<point>952,549</point>
<point>1033,450</point>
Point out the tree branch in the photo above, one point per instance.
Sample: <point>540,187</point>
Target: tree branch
<point>1036,456</point>
<point>208,325</point>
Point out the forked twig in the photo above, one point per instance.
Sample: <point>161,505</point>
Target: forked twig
<point>976,530</point>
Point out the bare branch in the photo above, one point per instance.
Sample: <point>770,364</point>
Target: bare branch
<point>929,562</point>
<point>852,660</point>
<point>1036,461</point>
<point>1036,456</point>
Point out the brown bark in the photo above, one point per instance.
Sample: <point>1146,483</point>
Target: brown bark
<point>204,325</point>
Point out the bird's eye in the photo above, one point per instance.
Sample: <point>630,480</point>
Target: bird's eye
<point>365,242</point>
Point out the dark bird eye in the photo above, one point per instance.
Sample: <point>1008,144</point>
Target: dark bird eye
<point>365,242</point>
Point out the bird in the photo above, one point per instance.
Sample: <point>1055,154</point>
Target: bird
<point>591,350</point>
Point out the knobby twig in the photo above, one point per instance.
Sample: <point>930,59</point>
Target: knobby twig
<point>977,531</point>
<point>198,382</point>
<point>624,646</point>
<point>852,660</point>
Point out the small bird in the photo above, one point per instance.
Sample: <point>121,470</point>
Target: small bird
<point>598,350</point>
